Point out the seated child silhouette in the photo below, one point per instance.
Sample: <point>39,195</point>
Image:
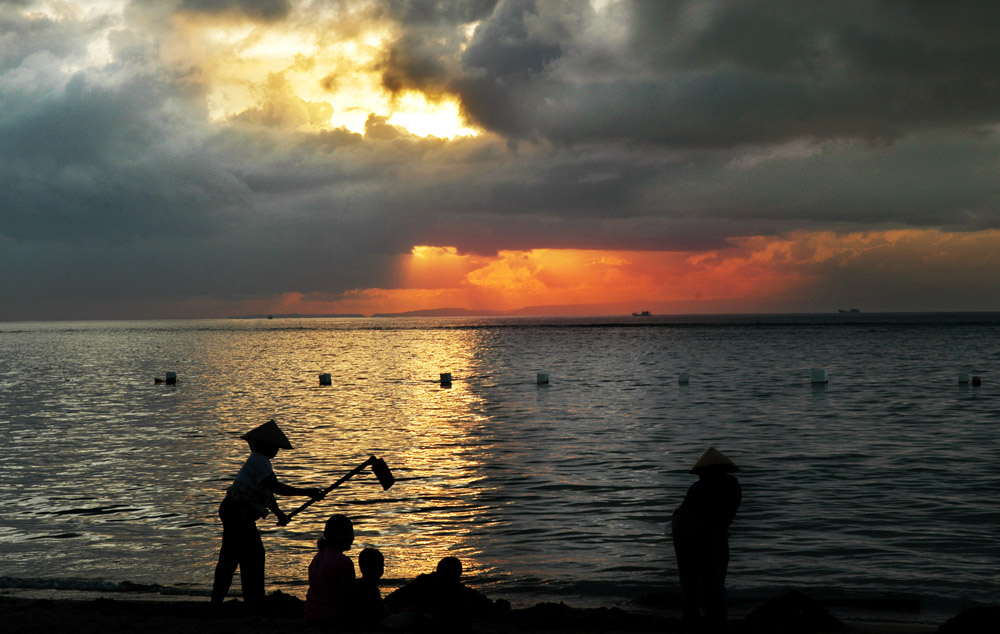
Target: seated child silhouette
<point>369,609</point>
<point>440,597</point>
<point>329,601</point>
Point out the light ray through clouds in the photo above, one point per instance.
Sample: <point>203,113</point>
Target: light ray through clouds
<point>217,157</point>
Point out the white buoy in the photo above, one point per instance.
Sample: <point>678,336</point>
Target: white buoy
<point>446,378</point>
<point>543,378</point>
<point>324,379</point>
<point>818,376</point>
<point>963,377</point>
<point>683,378</point>
<point>171,378</point>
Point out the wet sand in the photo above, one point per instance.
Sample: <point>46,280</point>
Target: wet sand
<point>284,614</point>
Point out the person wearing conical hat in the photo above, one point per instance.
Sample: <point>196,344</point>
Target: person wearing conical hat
<point>248,499</point>
<point>700,531</point>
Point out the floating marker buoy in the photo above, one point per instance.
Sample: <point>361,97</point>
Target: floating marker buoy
<point>976,381</point>
<point>171,378</point>
<point>446,378</point>
<point>963,377</point>
<point>818,376</point>
<point>683,378</point>
<point>324,379</point>
<point>543,378</point>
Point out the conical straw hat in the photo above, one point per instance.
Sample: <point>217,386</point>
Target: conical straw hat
<point>715,459</point>
<point>269,432</point>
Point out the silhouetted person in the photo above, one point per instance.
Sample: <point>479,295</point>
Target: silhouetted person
<point>330,598</point>
<point>700,530</point>
<point>249,498</point>
<point>369,608</point>
<point>440,598</point>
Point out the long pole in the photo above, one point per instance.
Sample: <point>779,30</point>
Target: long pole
<point>358,469</point>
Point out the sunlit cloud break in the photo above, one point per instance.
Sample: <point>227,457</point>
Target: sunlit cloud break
<point>793,271</point>
<point>191,158</point>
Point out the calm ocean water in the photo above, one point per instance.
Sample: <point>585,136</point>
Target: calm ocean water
<point>885,480</point>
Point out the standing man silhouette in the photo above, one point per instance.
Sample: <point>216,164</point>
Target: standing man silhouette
<point>249,498</point>
<point>700,531</point>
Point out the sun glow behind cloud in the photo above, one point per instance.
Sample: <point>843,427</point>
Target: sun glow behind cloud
<point>132,123</point>
<point>755,274</point>
<point>272,74</point>
<point>437,277</point>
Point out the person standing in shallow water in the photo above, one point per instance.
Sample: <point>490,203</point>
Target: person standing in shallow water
<point>700,531</point>
<point>250,498</point>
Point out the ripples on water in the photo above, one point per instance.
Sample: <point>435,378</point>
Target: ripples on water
<point>884,480</point>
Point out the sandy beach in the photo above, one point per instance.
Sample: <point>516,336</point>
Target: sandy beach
<point>790,613</point>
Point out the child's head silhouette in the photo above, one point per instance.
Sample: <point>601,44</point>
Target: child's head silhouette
<point>372,564</point>
<point>449,570</point>
<point>338,533</point>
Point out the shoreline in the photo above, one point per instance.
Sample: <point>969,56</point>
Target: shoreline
<point>148,613</point>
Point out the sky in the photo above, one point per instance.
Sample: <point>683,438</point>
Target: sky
<point>212,158</point>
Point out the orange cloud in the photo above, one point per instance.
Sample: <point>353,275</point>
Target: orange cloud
<point>755,274</point>
<point>438,277</point>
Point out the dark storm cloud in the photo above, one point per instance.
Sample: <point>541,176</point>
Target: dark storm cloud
<point>423,13</point>
<point>864,70</point>
<point>720,83</point>
<point>695,73</point>
<point>512,41</point>
<point>426,53</point>
<point>264,10</point>
<point>646,125</point>
<point>505,44</point>
<point>20,38</point>
<point>81,164</point>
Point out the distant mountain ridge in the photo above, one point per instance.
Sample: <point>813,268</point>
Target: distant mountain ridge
<point>446,312</point>
<point>545,310</point>
<point>553,310</point>
<point>298,316</point>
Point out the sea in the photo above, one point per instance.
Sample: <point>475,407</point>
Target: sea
<point>883,481</point>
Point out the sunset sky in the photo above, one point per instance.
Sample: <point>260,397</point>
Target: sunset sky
<point>209,158</point>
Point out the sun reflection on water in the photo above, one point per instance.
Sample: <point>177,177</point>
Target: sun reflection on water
<point>559,491</point>
<point>394,407</point>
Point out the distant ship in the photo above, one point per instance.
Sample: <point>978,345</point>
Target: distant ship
<point>644,313</point>
<point>853,310</point>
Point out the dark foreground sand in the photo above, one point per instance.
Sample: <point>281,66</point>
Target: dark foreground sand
<point>790,613</point>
